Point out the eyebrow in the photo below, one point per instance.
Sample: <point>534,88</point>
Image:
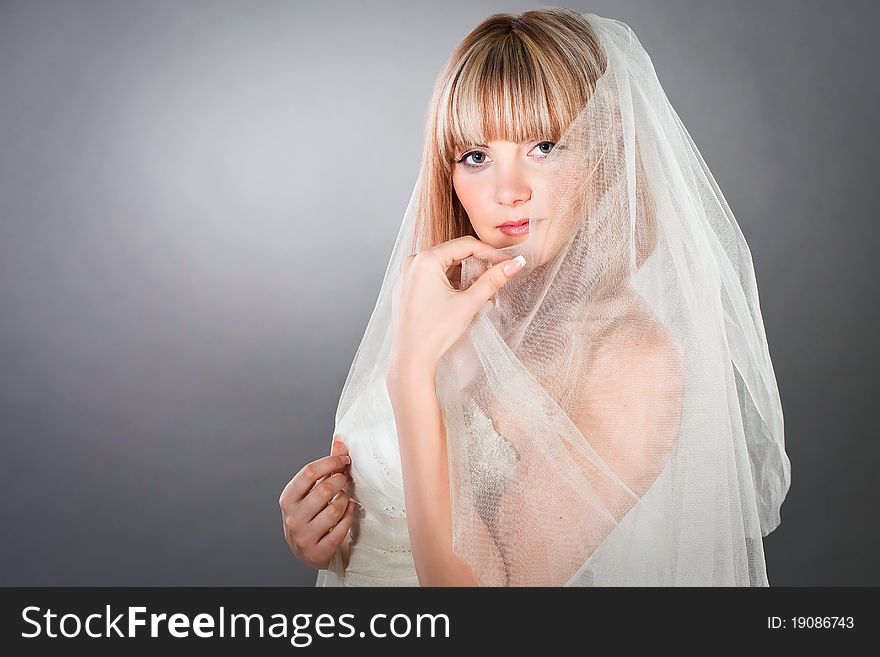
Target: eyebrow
<point>464,149</point>
<point>470,146</point>
<point>521,142</point>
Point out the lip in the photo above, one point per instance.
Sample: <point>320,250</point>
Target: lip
<point>516,222</point>
<point>515,228</point>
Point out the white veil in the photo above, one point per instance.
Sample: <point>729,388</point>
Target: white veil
<point>625,369</point>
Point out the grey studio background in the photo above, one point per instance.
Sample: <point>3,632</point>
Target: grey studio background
<point>198,203</point>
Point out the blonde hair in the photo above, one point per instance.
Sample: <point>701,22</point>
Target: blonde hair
<point>513,78</point>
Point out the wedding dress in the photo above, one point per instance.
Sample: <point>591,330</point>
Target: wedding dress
<point>613,417</point>
<point>381,554</point>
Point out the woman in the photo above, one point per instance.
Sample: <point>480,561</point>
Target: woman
<point>612,416</point>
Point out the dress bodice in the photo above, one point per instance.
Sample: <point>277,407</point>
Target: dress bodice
<point>381,554</point>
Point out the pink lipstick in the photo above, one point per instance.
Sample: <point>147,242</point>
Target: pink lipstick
<point>515,228</point>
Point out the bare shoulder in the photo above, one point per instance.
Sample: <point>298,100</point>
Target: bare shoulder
<point>631,395</point>
<point>656,357</point>
<point>640,354</point>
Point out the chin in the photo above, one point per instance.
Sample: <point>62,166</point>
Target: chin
<point>505,241</point>
<point>490,236</point>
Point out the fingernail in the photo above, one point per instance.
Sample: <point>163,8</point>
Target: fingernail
<point>510,268</point>
<point>346,458</point>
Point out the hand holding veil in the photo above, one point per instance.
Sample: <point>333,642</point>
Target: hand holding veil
<point>622,380</point>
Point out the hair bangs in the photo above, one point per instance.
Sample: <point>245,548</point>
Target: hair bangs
<point>501,93</point>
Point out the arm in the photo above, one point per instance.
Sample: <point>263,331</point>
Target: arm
<point>428,316</point>
<point>422,437</point>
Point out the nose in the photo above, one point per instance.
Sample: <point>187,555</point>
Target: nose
<point>512,189</point>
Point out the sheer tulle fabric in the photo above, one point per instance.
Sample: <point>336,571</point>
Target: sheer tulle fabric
<point>613,419</point>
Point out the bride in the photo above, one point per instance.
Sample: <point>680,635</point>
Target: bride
<point>565,380</point>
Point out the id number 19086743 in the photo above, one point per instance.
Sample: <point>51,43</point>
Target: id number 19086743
<point>810,622</point>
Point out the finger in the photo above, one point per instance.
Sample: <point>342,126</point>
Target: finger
<point>494,278</point>
<point>304,480</point>
<point>320,496</point>
<point>329,516</point>
<point>334,537</point>
<point>454,251</point>
<point>338,446</point>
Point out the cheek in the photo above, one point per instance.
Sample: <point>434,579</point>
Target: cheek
<point>469,195</point>
<point>464,191</point>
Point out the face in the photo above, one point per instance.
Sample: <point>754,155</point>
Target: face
<point>500,182</point>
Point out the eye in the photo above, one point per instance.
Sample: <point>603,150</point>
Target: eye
<point>480,156</point>
<point>551,144</point>
<point>463,158</point>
